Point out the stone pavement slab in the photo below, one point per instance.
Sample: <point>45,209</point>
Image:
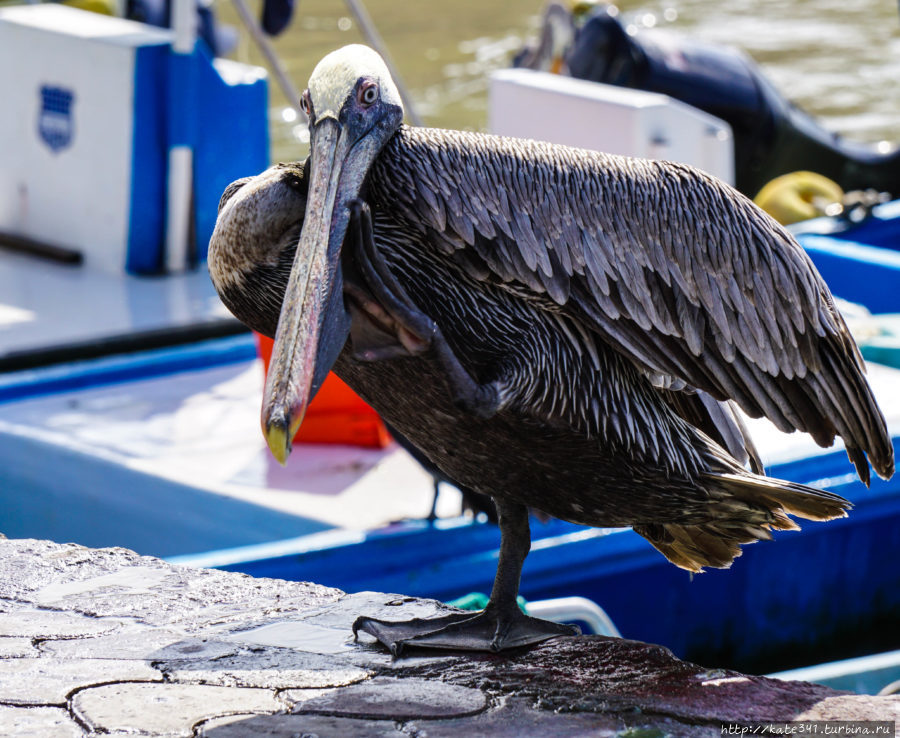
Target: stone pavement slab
<point>117,582</point>
<point>515,717</point>
<point>106,642</point>
<point>377,605</point>
<point>302,726</point>
<point>300,635</point>
<point>49,681</point>
<point>852,707</point>
<point>164,709</point>
<point>389,698</point>
<point>272,668</point>
<point>47,624</point>
<point>144,642</point>
<point>14,647</point>
<point>38,722</point>
<point>612,675</point>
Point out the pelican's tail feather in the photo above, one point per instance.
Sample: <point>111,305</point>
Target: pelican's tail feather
<point>743,508</point>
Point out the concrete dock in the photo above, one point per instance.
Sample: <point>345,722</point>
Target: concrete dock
<point>107,642</point>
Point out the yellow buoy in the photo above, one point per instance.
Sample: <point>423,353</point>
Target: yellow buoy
<point>103,7</point>
<point>798,196</point>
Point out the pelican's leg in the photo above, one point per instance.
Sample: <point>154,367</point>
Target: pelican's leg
<point>500,626</point>
<point>432,514</point>
<point>417,333</point>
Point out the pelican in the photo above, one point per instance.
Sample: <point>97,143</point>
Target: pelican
<point>559,329</point>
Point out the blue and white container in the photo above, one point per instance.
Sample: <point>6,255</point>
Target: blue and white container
<point>91,107</point>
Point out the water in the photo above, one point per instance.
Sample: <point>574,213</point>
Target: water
<point>839,60</point>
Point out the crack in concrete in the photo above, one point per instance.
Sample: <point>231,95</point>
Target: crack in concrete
<point>4,703</point>
<point>198,726</point>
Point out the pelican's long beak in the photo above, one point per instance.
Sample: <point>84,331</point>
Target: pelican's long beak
<point>348,127</point>
<point>314,323</point>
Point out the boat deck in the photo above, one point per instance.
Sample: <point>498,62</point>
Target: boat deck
<point>179,429</point>
<point>56,312</point>
<point>188,441</point>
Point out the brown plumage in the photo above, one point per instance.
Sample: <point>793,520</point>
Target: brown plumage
<point>556,328</point>
<point>674,269</point>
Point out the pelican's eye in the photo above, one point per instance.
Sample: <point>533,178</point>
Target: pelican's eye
<point>305,104</point>
<point>368,94</point>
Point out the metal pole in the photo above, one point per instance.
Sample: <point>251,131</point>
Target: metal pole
<point>287,87</point>
<point>181,138</point>
<point>290,92</point>
<point>372,36</point>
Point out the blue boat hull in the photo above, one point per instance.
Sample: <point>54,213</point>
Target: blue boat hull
<point>831,590</point>
<point>860,263</point>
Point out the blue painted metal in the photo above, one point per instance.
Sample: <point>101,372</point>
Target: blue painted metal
<point>146,226</point>
<point>829,586</point>
<point>181,109</point>
<point>125,368</point>
<point>857,272</point>
<point>233,140</point>
<point>860,263</point>
<point>63,494</point>
<point>228,116</point>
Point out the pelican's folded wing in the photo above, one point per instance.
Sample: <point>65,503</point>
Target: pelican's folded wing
<point>673,268</point>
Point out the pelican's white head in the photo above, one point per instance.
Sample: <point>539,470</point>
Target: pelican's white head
<point>354,68</point>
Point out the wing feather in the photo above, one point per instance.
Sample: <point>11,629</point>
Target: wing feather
<point>674,269</point>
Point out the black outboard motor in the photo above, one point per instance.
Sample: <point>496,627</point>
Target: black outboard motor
<point>771,136</point>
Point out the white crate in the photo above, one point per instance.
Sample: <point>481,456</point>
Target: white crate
<point>67,133</point>
<point>590,115</point>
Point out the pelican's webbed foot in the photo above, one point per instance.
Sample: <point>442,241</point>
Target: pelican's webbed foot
<point>491,630</point>
<point>500,626</point>
<point>411,331</point>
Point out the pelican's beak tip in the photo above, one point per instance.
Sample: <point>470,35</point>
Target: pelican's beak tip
<point>278,438</point>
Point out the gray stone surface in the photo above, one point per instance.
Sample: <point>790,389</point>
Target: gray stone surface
<point>303,726</point>
<point>37,722</point>
<point>274,668</point>
<point>48,681</point>
<point>516,717</point>
<point>106,642</point>
<point>613,675</point>
<point>341,614</point>
<point>150,644</point>
<point>118,582</point>
<point>299,635</point>
<point>29,622</point>
<point>384,698</point>
<point>294,697</point>
<point>845,707</point>
<point>164,709</point>
<point>13,647</point>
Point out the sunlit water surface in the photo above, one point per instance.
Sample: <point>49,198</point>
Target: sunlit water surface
<point>839,60</point>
